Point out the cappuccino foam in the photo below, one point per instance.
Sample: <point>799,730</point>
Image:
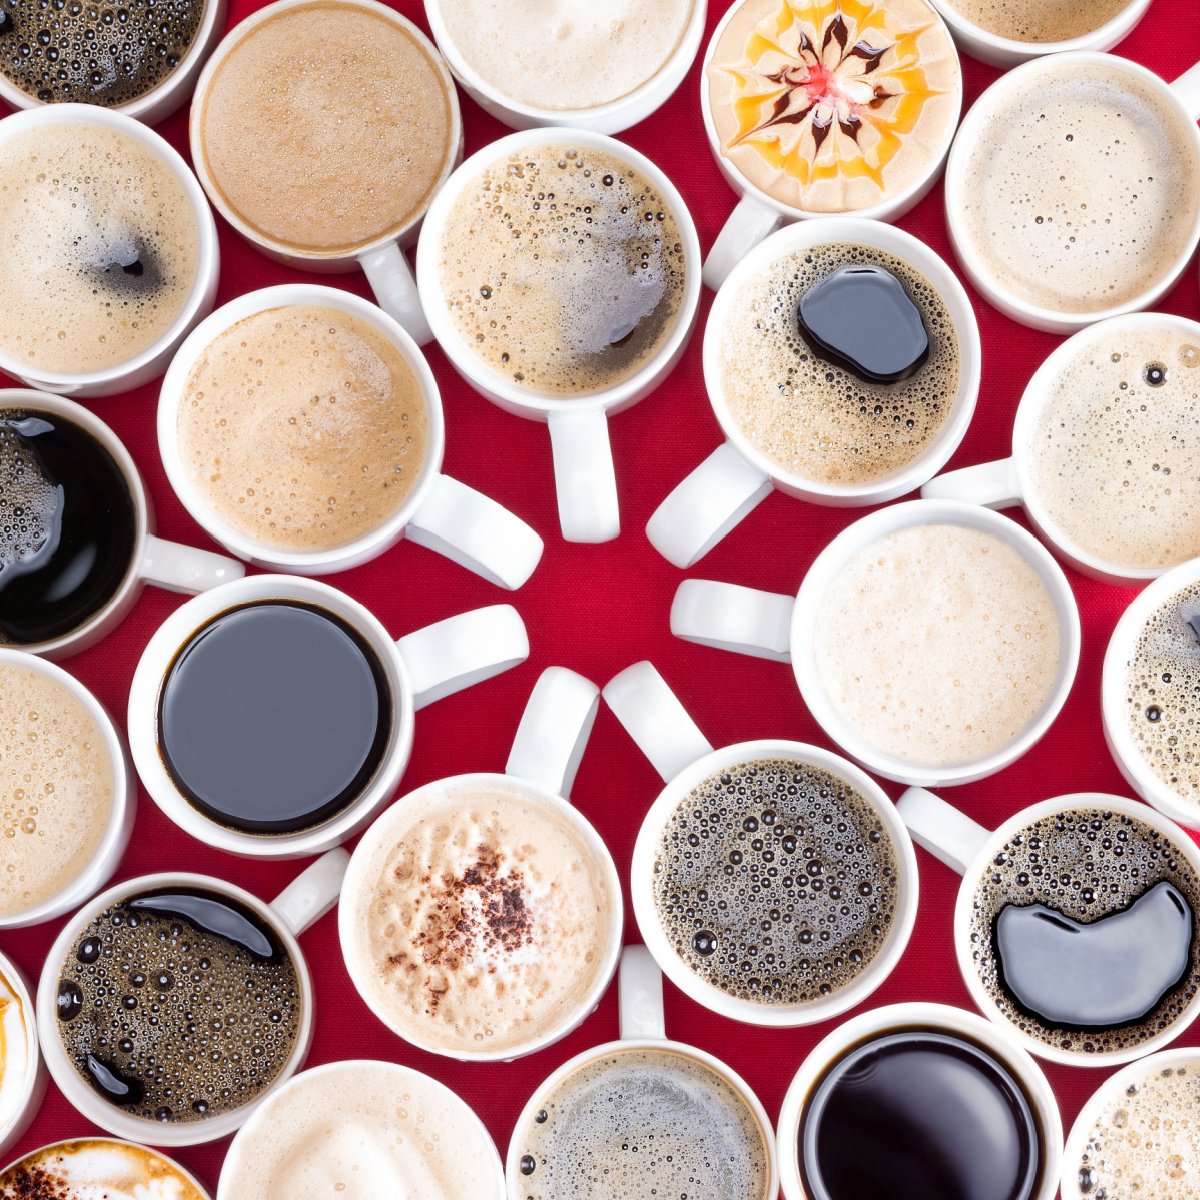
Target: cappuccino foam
<point>303,427</point>
<point>97,1169</point>
<point>1039,20</point>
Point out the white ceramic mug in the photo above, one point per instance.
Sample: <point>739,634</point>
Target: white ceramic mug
<point>781,628</point>
<point>23,1079</point>
<point>642,1027</point>
<point>155,1162</point>
<point>440,512</point>
<point>969,849</point>
<point>680,753</point>
<point>151,362</point>
<point>165,564</point>
<point>382,259</point>
<point>941,1018</point>
<point>612,117</point>
<point>549,745</point>
<point>737,476</point>
<point>583,465</point>
<point>303,902</point>
<point>421,667</point>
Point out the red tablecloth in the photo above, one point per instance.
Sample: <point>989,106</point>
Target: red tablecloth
<point>597,609</point>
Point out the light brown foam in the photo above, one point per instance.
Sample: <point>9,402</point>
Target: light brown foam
<point>97,1169</point>
<point>303,427</point>
<point>327,127</point>
<point>77,200</point>
<point>1039,20</point>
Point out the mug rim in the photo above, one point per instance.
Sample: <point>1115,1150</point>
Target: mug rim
<point>108,1139</point>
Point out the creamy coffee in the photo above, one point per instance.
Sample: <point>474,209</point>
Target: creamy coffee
<point>1114,457</point>
<point>303,427</point>
<point>56,788</point>
<point>937,644</point>
<point>1039,20</point>
<point>480,920</point>
<point>18,1052</point>
<point>97,1169</point>
<point>563,269</point>
<point>325,127</point>
<point>100,247</point>
<point>1082,188</point>
<point>566,54</point>
<point>833,108</point>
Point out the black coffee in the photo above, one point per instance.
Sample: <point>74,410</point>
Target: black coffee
<point>67,527</point>
<point>919,1114</point>
<point>776,882</point>
<point>179,1004</point>
<point>274,717</point>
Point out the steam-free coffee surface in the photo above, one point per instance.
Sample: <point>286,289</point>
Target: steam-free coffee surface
<point>273,717</point>
<point>88,1168</point>
<point>1039,20</point>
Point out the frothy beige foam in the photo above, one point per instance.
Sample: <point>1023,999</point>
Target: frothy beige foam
<point>303,427</point>
<point>100,247</point>
<point>97,1169</point>
<point>937,644</point>
<point>1039,20</point>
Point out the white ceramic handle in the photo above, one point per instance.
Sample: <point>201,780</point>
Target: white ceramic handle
<point>948,834</point>
<point>730,617</point>
<point>313,892</point>
<point>720,493</point>
<point>185,569</point>
<point>395,288</point>
<point>461,651</point>
<point>554,730</point>
<point>992,484</point>
<point>748,224</point>
<point>640,990</point>
<point>476,532</point>
<point>584,475</point>
<point>1187,88</point>
<point>655,719</point>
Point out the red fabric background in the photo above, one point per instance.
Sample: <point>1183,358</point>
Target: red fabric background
<point>597,609</point>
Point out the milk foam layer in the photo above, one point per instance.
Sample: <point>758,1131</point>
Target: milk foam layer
<point>96,1169</point>
<point>937,644</point>
<point>17,1052</point>
<point>1082,188</point>
<point>481,919</point>
<point>361,1131</point>
<point>566,54</point>
<point>326,127</point>
<point>1115,454</point>
<point>100,247</point>
<point>56,788</point>
<point>1039,20</point>
<point>303,427</point>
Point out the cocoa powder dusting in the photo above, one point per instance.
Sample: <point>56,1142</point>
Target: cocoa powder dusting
<point>33,1182</point>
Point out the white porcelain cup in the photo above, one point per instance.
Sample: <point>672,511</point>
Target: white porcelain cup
<point>382,259</point>
<point>421,667</point>
<point>24,1078</point>
<point>941,1018</point>
<point>164,564</point>
<point>663,731</point>
<point>781,628</point>
<point>968,848</point>
<point>549,745</point>
<point>583,464</point>
<point>737,476</point>
<point>166,1172</point>
<point>440,512</point>
<point>151,362</point>
<point>612,117</point>
<point>642,1027</point>
<point>303,902</point>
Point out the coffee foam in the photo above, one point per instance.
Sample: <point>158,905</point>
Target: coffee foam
<point>812,417</point>
<point>937,644</point>
<point>639,1123</point>
<point>76,202</point>
<point>1115,454</point>
<point>1039,20</point>
<point>481,921</point>
<point>303,427</point>
<point>56,788</point>
<point>563,269</point>
<point>17,1052</point>
<point>326,127</point>
<point>1086,863</point>
<point>96,1169</point>
<point>566,54</point>
<point>1082,187</point>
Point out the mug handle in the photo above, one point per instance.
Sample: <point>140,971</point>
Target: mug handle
<point>313,892</point>
<point>642,701</point>
<point>727,616</point>
<point>395,289</point>
<point>476,532</point>
<point>749,223</point>
<point>992,484</point>
<point>554,730</point>
<point>184,569</point>
<point>948,834</point>
<point>584,475</point>
<point>720,493</point>
<point>461,651</point>
<point>1187,89</point>
<point>640,991</point>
